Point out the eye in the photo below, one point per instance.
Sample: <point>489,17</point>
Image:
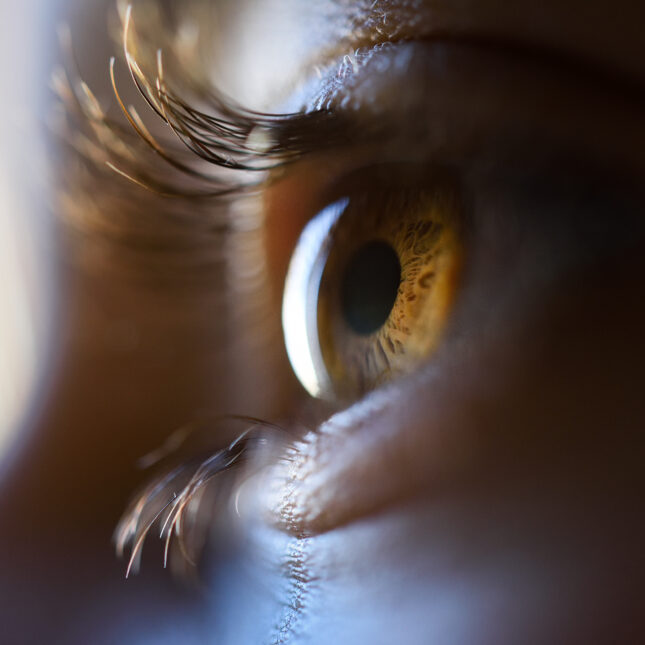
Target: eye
<point>372,280</point>
<point>372,289</point>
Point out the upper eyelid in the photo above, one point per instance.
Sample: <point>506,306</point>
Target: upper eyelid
<point>333,125</point>
<point>293,136</point>
<point>231,137</point>
<point>358,119</point>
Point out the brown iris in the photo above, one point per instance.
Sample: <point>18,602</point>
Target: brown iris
<point>380,286</point>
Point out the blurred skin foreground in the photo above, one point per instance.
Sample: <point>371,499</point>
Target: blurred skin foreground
<point>489,488</point>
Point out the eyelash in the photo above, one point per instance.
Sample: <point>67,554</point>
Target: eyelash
<point>174,499</point>
<point>229,140</point>
<point>228,137</point>
<point>232,141</point>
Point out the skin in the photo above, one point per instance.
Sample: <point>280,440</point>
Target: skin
<point>492,496</point>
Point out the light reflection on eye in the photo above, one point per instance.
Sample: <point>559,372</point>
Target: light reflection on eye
<point>301,289</point>
<point>370,286</point>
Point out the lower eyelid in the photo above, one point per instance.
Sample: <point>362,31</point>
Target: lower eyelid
<point>485,411</point>
<point>367,457</point>
<point>420,433</point>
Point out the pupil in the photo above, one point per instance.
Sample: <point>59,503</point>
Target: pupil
<point>370,284</point>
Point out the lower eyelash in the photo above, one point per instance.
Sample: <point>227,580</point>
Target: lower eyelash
<point>175,502</point>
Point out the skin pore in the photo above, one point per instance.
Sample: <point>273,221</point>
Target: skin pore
<point>491,496</point>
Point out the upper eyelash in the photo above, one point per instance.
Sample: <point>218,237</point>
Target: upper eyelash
<point>223,134</point>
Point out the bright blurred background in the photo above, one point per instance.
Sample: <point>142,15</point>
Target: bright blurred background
<point>69,437</point>
<point>26,276</point>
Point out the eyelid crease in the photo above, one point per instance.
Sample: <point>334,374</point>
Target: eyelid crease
<point>334,91</point>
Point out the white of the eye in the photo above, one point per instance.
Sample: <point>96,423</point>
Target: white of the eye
<point>300,302</point>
